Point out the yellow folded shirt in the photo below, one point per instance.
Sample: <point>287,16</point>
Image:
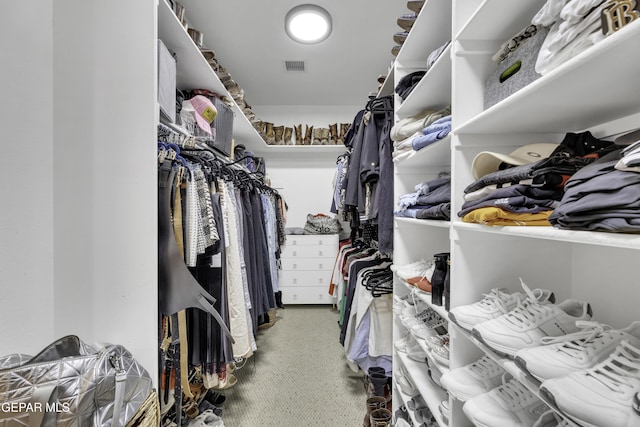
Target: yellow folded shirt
<point>499,217</point>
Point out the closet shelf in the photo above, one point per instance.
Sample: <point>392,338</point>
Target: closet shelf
<point>388,85</point>
<point>489,23</point>
<point>433,90</point>
<point>617,240</point>
<point>422,222</point>
<point>437,154</point>
<point>430,392</point>
<point>555,102</point>
<point>431,30</point>
<point>405,398</point>
<point>193,72</point>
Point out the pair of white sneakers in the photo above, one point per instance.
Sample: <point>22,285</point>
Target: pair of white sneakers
<point>508,322</point>
<point>419,268</point>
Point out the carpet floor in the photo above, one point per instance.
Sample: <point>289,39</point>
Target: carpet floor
<point>298,376</point>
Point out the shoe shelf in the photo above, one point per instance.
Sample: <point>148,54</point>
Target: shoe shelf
<point>433,363</point>
<point>194,72</point>
<point>617,240</point>
<point>405,398</point>
<point>425,297</point>
<point>430,392</point>
<point>549,103</point>
<point>434,155</point>
<point>434,89</point>
<point>512,369</point>
<point>431,30</point>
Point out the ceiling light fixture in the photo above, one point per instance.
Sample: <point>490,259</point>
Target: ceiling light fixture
<point>308,24</point>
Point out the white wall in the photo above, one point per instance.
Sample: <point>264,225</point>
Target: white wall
<point>26,175</point>
<point>306,183</point>
<point>105,175</point>
<point>307,188</point>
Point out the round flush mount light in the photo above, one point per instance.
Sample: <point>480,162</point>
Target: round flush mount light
<point>308,24</point>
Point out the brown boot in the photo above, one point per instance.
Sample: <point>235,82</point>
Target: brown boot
<point>270,133</point>
<point>344,127</point>
<point>333,134</point>
<point>380,418</point>
<point>324,135</point>
<point>298,129</point>
<point>308,134</point>
<point>288,132</point>
<point>373,403</point>
<point>317,136</point>
<point>279,132</point>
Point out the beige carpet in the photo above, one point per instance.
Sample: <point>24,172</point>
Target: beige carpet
<point>298,376</point>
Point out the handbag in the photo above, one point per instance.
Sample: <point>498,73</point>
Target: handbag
<point>321,224</point>
<point>72,384</point>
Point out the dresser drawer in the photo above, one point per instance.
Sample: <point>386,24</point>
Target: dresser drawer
<point>304,278</point>
<point>301,251</point>
<point>307,295</point>
<point>330,240</point>
<point>312,264</point>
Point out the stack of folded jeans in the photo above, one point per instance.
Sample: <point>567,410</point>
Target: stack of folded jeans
<point>601,198</point>
<point>528,194</point>
<point>431,200</point>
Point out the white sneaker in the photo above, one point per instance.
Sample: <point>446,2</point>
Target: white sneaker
<point>406,385</point>
<point>574,352</point>
<point>441,354</point>
<point>415,352</point>
<point>474,379</point>
<point>437,341</point>
<point>494,304</point>
<point>602,395</point>
<point>508,405</point>
<point>529,322</point>
<point>444,410</point>
<point>431,327</point>
<point>415,269</point>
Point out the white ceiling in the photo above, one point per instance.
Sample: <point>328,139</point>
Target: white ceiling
<point>249,40</point>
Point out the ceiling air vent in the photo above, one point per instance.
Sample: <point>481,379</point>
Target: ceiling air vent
<point>294,65</point>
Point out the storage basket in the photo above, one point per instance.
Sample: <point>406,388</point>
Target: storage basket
<point>148,415</point>
<point>223,125</point>
<point>516,71</point>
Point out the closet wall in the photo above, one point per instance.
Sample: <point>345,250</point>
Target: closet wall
<point>26,217</point>
<point>78,251</point>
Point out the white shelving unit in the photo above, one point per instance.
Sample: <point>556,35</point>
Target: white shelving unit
<point>580,95</point>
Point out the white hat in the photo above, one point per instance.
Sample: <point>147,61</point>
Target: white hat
<point>488,161</point>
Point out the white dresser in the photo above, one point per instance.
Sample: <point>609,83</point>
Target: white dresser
<point>307,264</point>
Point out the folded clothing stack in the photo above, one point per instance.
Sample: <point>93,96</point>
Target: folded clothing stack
<point>431,200</point>
<point>603,196</point>
<point>429,124</point>
<point>524,187</point>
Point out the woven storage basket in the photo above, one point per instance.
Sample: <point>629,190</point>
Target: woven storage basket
<point>148,415</point>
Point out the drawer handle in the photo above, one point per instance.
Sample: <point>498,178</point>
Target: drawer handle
<point>295,253</point>
<point>295,266</point>
<point>320,266</point>
<point>295,281</point>
<point>319,242</point>
<point>319,253</point>
<point>320,280</point>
